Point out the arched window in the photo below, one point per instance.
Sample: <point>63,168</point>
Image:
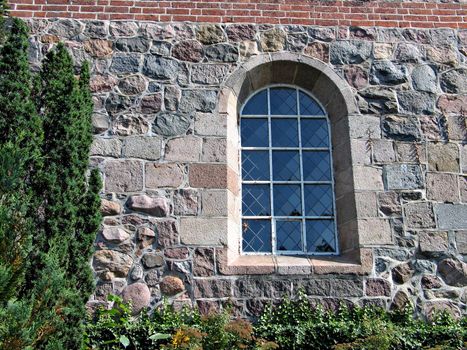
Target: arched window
<point>288,204</point>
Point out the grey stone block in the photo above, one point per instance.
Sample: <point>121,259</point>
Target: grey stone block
<point>403,176</point>
<point>451,216</point>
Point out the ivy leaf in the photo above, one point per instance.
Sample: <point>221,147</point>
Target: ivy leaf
<point>124,340</point>
<point>159,336</point>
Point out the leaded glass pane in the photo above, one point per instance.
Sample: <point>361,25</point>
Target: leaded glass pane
<point>286,165</point>
<point>320,237</point>
<point>283,101</point>
<point>309,106</point>
<point>314,132</point>
<point>254,133</point>
<point>256,236</point>
<point>256,200</point>
<point>255,165</point>
<point>318,200</point>
<point>257,105</point>
<point>284,132</point>
<point>289,235</point>
<point>287,200</point>
<point>316,166</point>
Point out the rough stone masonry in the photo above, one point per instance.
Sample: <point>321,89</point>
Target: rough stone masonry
<point>161,143</point>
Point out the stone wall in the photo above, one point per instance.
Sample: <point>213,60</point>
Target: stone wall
<point>161,143</point>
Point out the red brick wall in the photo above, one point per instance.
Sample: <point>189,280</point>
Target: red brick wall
<point>308,12</point>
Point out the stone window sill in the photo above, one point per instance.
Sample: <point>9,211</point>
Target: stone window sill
<point>354,264</point>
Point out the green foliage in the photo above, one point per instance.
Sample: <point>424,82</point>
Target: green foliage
<point>293,324</point>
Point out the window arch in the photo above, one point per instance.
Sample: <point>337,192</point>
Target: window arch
<point>288,204</point>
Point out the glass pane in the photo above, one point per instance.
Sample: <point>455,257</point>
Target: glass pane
<point>316,166</point>
<point>289,235</point>
<point>287,200</point>
<point>255,165</point>
<point>254,132</point>
<point>308,106</point>
<point>318,200</point>
<point>283,101</point>
<point>257,105</point>
<point>286,166</point>
<point>256,236</point>
<point>314,133</point>
<point>284,132</point>
<point>320,236</point>
<point>255,200</point>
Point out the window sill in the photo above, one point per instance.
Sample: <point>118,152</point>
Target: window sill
<point>353,264</point>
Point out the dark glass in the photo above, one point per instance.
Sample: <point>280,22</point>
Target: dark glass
<point>254,132</point>
<point>289,235</point>
<point>283,101</point>
<point>256,236</point>
<point>287,200</point>
<point>255,165</point>
<point>285,166</point>
<point>257,105</point>
<point>284,132</point>
<point>314,132</point>
<point>318,200</point>
<point>256,200</point>
<point>308,106</point>
<point>316,166</point>
<point>320,236</point>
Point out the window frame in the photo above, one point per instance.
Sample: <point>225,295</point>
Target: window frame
<point>301,181</point>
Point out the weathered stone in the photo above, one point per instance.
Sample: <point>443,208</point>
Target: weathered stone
<point>177,253</point>
<point>102,83</point>
<point>461,242</point>
<point>382,51</point>
<point>430,282</point>
<point>214,150</point>
<point>356,76</point>
<point>401,299</point>
<point>419,215</point>
<point>117,103</point>
<point>126,125</point>
<point>184,149</point>
<point>296,41</point>
<point>186,202</point>
<point>383,151</point>
<point>272,40</point>
<point>416,102</point>
<point>442,54</point>
<point>348,52</point>
<point>222,53</point>
<point>443,157</point>
<point>106,147</point>
<point>453,272</point>
<point>157,31</point>
<point>377,100</point>
<point>209,74</point>
<point>65,28</point>
<point>433,242</point>
<point>111,263</point>
<point>115,234</point>
<point>171,285</point>
<point>403,176</point>
<point>142,147</point>
<point>203,262</point>
<point>318,50</point>
<point>214,203</point>
<point>374,231</point>
<point>248,48</point>
<point>433,308</point>
<point>152,279</point>
<point>322,33</point>
<point>109,208</point>
<point>198,100</point>
<point>122,29</point>
<point>389,203</point>
<point>210,124</point>
<point>138,295</point>
<point>96,29</point>
<point>132,85</point>
<point>167,233</point>
<point>454,81</point>
<point>156,206</point>
<point>210,34</point>
<point>146,237</point>
<point>163,175</point>
<point>202,231</point>
<point>346,288</point>
<point>409,53</point>
<point>172,96</point>
<point>424,79</point>
<point>408,152</point>
<point>188,50</point>
<point>456,127</point>
<point>161,48</point>
<point>123,176</point>
<point>151,103</point>
<point>453,104</point>
<point>100,123</point>
<point>451,216</point>
<point>136,272</point>
<point>377,287</point>
<point>212,288</point>
<point>362,33</point>
<point>125,64</point>
<point>171,124</point>
<point>136,44</point>
<point>208,175</point>
<point>161,68</point>
<point>442,187</point>
<point>151,260</point>
<point>240,32</point>
<point>387,73</point>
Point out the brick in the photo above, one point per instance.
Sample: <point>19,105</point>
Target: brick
<point>442,187</point>
<point>183,149</point>
<point>201,231</point>
<point>164,175</point>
